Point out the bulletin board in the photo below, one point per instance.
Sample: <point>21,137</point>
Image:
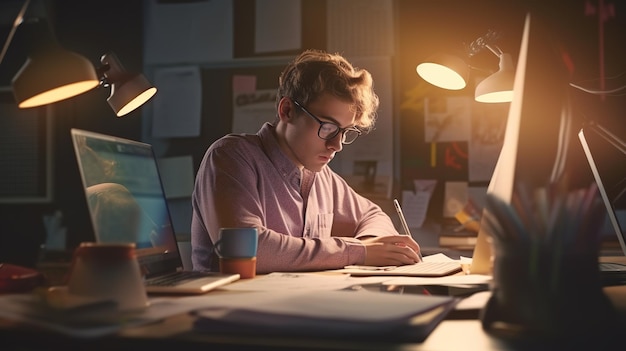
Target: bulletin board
<point>445,136</point>
<point>217,107</point>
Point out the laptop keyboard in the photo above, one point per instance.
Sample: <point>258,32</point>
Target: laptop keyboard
<point>174,278</point>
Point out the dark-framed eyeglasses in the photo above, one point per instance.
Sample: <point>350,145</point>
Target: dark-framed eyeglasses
<point>329,130</point>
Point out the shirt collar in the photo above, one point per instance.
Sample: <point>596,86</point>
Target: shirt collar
<point>283,164</point>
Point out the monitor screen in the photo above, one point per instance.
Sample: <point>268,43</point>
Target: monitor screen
<point>537,133</point>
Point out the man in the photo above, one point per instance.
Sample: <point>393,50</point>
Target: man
<point>278,180</point>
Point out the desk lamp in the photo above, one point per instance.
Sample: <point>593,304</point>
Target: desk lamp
<point>52,73</point>
<point>451,72</point>
<point>498,87</point>
<point>445,71</point>
<point>128,90</point>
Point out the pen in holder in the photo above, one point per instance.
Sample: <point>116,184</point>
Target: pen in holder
<point>546,281</point>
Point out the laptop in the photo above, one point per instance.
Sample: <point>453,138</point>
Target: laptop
<point>606,155</point>
<point>127,203</point>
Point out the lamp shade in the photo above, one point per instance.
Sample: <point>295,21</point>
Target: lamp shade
<point>128,90</point>
<point>445,71</point>
<point>498,87</point>
<point>50,73</point>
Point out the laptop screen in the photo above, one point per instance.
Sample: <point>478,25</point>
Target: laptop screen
<point>125,198</point>
<point>606,154</point>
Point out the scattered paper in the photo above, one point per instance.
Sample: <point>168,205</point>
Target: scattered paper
<point>88,322</point>
<point>301,281</point>
<point>476,301</point>
<point>452,280</point>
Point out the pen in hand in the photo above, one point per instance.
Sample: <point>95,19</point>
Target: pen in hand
<point>405,226</point>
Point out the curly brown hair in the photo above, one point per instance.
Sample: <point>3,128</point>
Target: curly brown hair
<point>314,73</point>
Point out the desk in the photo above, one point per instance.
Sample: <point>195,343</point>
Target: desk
<point>176,332</point>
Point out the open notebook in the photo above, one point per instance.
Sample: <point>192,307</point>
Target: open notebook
<point>127,203</point>
<point>606,154</point>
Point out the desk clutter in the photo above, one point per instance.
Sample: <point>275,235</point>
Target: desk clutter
<point>546,281</point>
<point>15,279</point>
<point>327,304</point>
<point>103,295</point>
<point>328,307</point>
<point>328,314</point>
<point>336,308</point>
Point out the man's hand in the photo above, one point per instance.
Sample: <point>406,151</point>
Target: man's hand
<point>395,250</point>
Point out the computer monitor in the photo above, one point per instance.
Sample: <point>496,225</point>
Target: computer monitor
<point>537,130</point>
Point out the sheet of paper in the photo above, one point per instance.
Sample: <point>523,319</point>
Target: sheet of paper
<point>252,109</point>
<point>452,280</point>
<point>178,103</point>
<point>301,281</point>
<point>447,119</point>
<point>188,31</point>
<point>455,198</point>
<point>476,301</point>
<point>177,175</point>
<point>270,34</point>
<point>86,323</point>
<point>438,257</point>
<point>488,125</point>
<point>415,204</point>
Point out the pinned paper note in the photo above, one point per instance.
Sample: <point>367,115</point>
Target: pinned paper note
<point>178,105</point>
<point>455,198</point>
<point>177,175</point>
<point>415,204</point>
<point>252,110</point>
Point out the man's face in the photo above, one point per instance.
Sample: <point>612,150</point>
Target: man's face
<point>304,145</point>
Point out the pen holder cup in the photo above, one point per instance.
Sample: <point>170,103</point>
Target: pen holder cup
<point>539,293</point>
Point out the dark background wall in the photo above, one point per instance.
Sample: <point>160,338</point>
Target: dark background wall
<point>90,29</point>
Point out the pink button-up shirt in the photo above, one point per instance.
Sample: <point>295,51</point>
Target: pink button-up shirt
<point>245,180</point>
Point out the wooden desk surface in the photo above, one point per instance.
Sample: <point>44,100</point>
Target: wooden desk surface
<point>177,332</point>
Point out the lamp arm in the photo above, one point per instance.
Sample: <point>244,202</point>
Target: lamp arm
<point>480,69</point>
<point>100,71</point>
<point>16,23</point>
<point>494,49</point>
